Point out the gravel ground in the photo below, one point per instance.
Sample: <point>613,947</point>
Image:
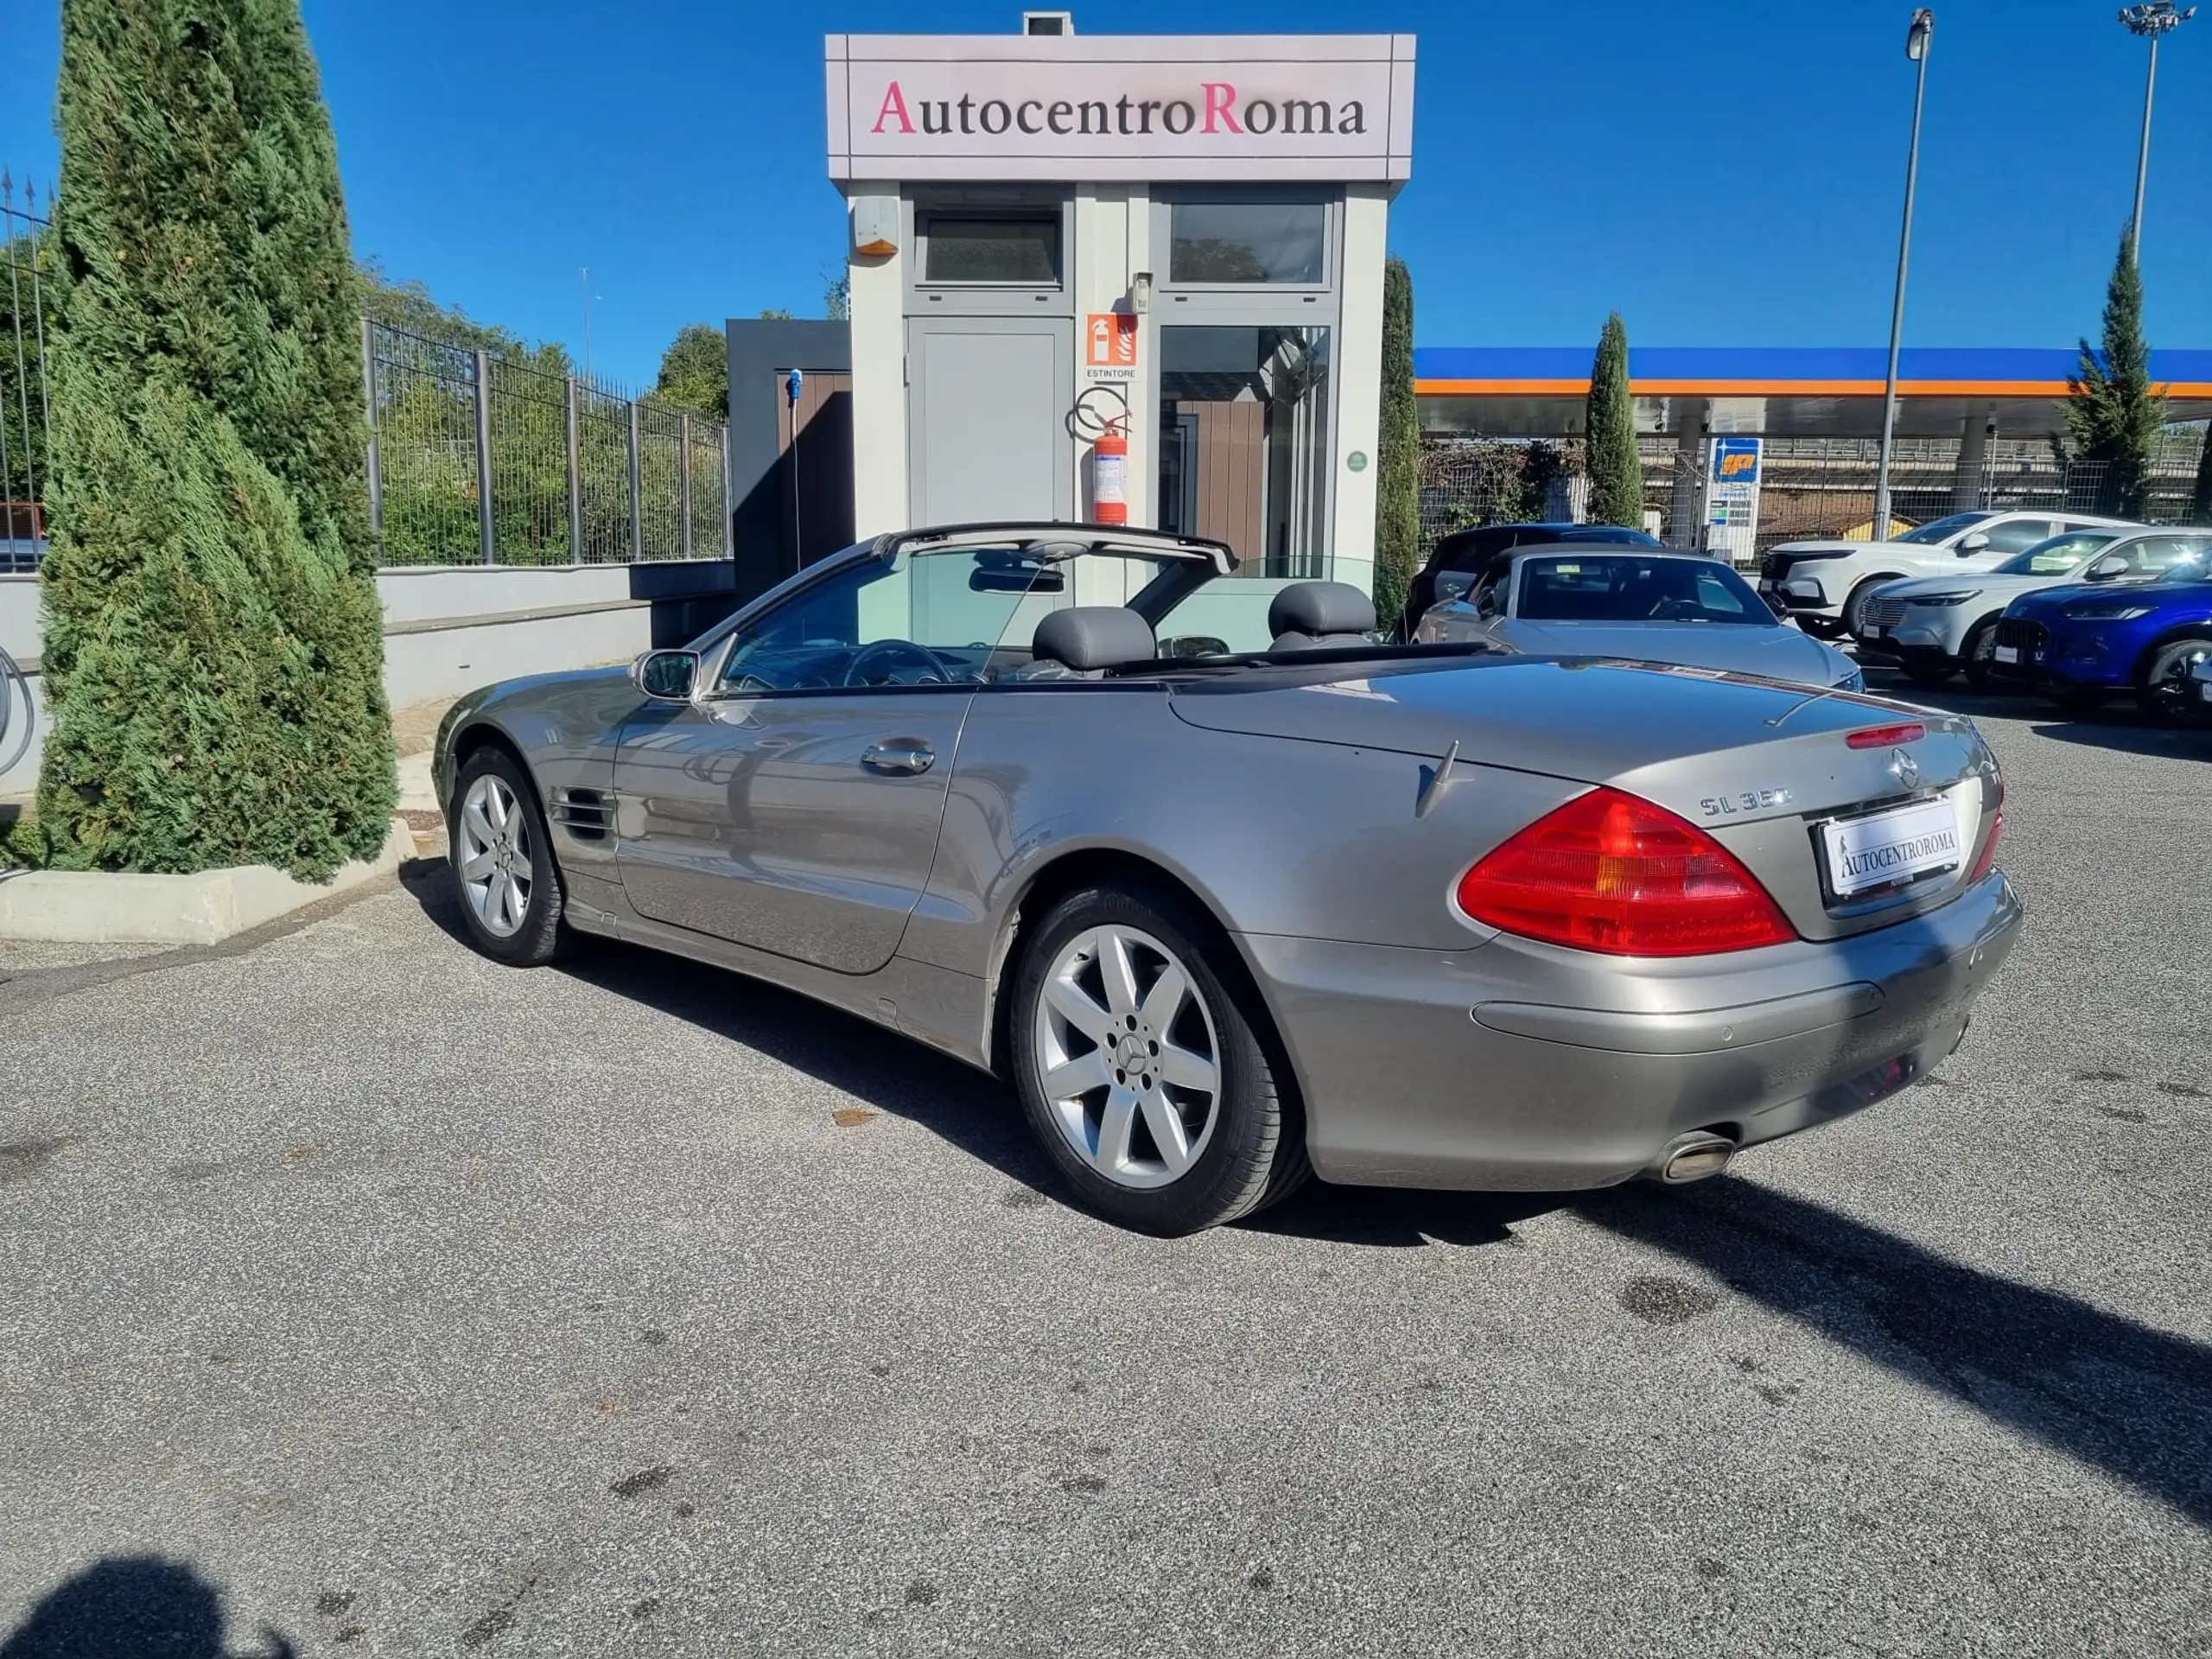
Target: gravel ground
<point>360,1297</point>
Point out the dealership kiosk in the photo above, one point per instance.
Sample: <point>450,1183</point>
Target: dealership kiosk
<point>1085,267</point>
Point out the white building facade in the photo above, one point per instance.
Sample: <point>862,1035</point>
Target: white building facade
<point>1176,241</point>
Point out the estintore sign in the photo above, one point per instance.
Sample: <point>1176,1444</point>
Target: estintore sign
<point>1113,341</point>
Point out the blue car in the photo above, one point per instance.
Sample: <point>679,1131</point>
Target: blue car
<point>2080,644</point>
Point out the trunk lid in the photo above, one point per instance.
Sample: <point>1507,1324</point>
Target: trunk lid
<point>1760,766</point>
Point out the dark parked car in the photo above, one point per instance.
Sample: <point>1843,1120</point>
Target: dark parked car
<point>2081,645</point>
<point>1470,552</point>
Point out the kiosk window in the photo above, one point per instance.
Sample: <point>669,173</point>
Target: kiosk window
<point>1238,242</point>
<point>1025,250</point>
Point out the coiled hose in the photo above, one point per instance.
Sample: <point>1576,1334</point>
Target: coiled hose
<point>14,686</point>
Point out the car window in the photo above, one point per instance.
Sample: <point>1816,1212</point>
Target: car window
<point>1621,587</point>
<point>2057,556</point>
<point>2017,535</point>
<point>959,616</point>
<point>2152,555</point>
<point>1939,529</point>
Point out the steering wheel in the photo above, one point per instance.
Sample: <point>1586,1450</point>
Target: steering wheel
<point>1675,609</point>
<point>934,671</point>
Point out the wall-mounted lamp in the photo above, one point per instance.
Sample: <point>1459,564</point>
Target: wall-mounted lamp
<point>1140,292</point>
<point>875,225</point>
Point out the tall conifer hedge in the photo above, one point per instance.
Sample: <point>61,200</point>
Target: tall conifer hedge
<point>1609,428</point>
<point>1397,462</point>
<point>213,648</point>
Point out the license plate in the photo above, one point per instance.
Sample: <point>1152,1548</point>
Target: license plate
<point>2006,653</point>
<point>2205,690</point>
<point>1885,848</point>
<point>1878,631</point>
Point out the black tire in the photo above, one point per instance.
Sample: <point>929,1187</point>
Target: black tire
<point>1255,1153</point>
<point>542,936</point>
<point>1973,654</point>
<point>1854,608</point>
<point>2165,693</point>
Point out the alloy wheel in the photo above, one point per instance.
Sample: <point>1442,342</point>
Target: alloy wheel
<point>495,856</point>
<point>1126,1057</point>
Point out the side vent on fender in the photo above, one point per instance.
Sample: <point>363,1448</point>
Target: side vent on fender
<point>583,812</point>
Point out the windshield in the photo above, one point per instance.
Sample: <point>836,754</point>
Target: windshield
<point>2057,556</point>
<point>1620,588</point>
<point>1942,529</point>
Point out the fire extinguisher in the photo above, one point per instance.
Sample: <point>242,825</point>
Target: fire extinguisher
<point>1109,471</point>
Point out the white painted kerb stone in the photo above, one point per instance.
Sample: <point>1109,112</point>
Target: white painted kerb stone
<point>100,907</point>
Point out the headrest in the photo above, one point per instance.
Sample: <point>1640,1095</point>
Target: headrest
<point>1085,637</point>
<point>1319,608</point>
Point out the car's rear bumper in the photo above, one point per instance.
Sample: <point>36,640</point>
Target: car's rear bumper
<point>1470,1070</point>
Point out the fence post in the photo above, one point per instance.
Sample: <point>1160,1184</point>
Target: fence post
<point>376,451</point>
<point>637,495</point>
<point>484,536</point>
<point>576,475</point>
<point>684,478</point>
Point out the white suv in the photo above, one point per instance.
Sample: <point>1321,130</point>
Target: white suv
<point>1825,585</point>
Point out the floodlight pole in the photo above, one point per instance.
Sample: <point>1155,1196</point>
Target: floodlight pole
<point>1917,42</point>
<point>2150,20</point>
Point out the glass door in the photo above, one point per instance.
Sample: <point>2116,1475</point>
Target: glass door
<point>1245,442</point>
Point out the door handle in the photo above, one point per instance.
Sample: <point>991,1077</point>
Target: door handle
<point>896,757</point>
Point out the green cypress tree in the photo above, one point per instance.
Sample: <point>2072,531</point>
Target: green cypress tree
<point>213,647</point>
<point>1609,428</point>
<point>1398,461</point>
<point>2113,411</point>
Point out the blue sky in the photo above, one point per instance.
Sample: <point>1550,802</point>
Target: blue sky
<point>1724,174</point>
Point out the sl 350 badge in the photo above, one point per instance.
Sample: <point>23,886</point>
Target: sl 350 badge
<point>1751,800</point>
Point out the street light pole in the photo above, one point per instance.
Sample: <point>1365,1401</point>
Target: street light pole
<point>2150,20</point>
<point>1917,40</point>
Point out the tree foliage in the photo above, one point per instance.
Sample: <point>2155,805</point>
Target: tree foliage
<point>2113,414</point>
<point>1609,431</point>
<point>1397,462</point>
<point>695,371</point>
<point>214,645</point>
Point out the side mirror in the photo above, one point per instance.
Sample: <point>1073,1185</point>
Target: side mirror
<point>1452,586</point>
<point>1976,542</point>
<point>665,675</point>
<point>2105,569</point>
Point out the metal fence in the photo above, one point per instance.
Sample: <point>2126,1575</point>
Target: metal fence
<point>477,459</point>
<point>473,458</point>
<point>1810,488</point>
<point>24,284</point>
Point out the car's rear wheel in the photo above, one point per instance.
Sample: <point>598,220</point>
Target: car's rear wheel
<point>510,900</point>
<point>2166,694</point>
<point>1979,652</point>
<point>1143,1061</point>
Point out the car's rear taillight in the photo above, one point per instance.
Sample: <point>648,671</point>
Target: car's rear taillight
<point>1987,861</point>
<point>1610,872</point>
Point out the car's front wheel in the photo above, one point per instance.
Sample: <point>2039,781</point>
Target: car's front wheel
<point>1139,1051</point>
<point>510,900</point>
<point>2167,695</point>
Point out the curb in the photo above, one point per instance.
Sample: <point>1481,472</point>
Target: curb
<point>104,907</point>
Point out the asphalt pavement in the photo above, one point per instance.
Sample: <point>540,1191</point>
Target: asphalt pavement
<point>359,1296</point>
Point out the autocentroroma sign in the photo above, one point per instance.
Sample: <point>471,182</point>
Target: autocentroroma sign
<point>1336,107</point>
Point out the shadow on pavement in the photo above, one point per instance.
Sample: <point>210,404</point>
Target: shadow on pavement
<point>2116,1394</point>
<point>133,1607</point>
<point>1399,1218</point>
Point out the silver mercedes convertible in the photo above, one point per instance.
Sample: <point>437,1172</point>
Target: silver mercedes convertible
<point>1230,892</point>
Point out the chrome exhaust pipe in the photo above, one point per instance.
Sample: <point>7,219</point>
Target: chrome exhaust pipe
<point>1692,1157</point>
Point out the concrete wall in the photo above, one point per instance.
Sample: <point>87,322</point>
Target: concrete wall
<point>1359,381</point>
<point>448,630</point>
<point>878,336</point>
